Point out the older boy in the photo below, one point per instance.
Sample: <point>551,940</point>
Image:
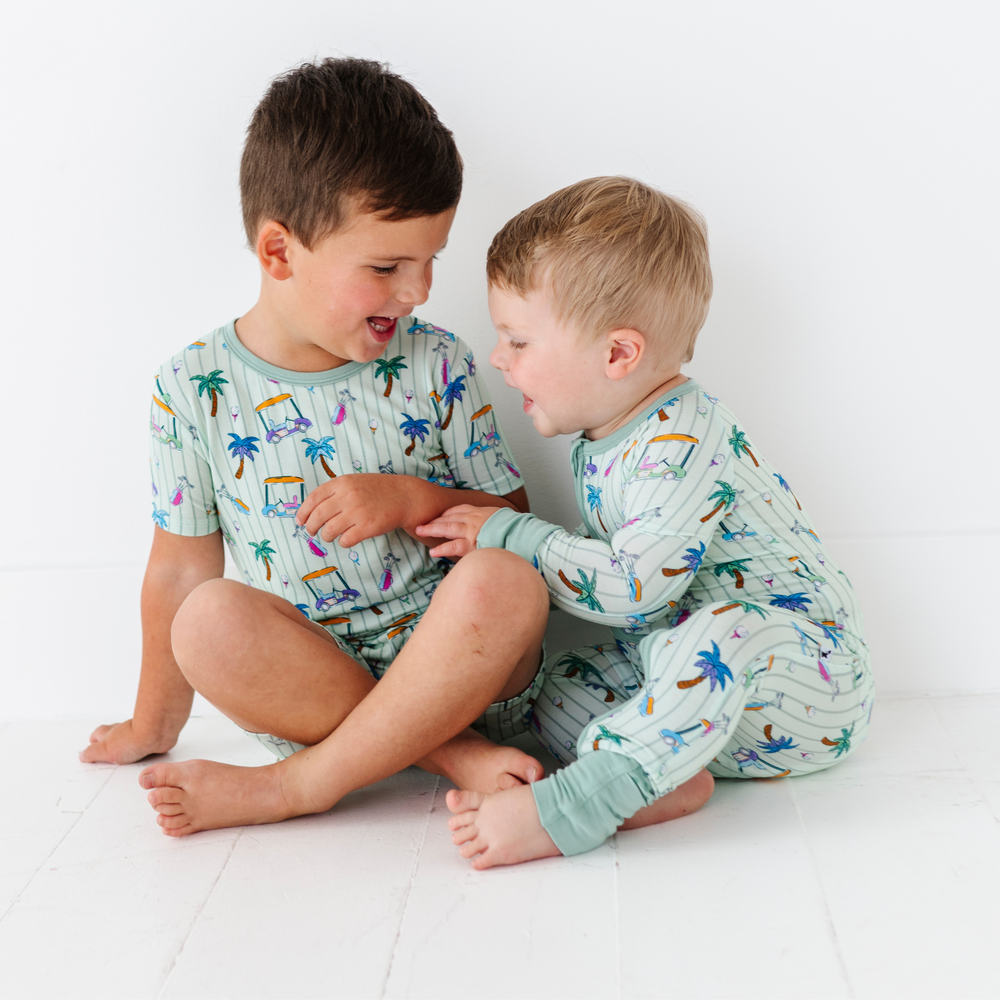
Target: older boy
<point>735,642</point>
<point>287,430</point>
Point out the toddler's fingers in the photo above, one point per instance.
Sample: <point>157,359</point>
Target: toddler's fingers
<point>454,549</point>
<point>462,508</point>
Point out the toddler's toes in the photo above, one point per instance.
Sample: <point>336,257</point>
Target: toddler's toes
<point>164,796</point>
<point>459,802</point>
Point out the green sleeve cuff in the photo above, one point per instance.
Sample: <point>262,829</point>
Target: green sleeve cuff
<point>520,533</point>
<point>584,803</point>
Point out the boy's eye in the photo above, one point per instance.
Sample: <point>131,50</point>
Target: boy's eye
<point>385,270</point>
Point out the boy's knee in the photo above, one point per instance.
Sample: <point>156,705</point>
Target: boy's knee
<point>503,581</point>
<point>201,617</point>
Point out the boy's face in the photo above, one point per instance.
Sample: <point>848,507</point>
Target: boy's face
<point>341,300</point>
<point>560,372</point>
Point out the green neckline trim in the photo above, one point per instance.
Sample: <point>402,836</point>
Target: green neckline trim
<point>589,447</point>
<point>290,377</point>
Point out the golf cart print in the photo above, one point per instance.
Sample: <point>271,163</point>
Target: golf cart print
<point>279,507</point>
<point>489,440</point>
<point>290,425</point>
<point>160,432</point>
<point>326,601</point>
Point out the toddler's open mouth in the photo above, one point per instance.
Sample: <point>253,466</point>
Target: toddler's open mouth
<point>382,328</point>
<point>527,403</point>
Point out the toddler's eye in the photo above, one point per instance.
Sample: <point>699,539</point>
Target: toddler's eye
<point>385,270</point>
<point>516,345</point>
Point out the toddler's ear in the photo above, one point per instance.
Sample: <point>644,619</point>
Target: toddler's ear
<point>272,250</point>
<point>626,349</point>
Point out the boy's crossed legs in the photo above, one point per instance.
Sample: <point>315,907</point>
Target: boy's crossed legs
<point>260,662</point>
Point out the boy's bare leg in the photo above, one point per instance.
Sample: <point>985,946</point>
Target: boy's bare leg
<point>504,829</point>
<point>478,642</point>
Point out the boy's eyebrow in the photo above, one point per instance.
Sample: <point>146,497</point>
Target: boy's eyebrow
<point>390,257</point>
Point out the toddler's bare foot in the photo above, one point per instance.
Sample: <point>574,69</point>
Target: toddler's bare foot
<point>204,795</point>
<point>472,762</point>
<point>500,829</point>
<point>685,799</point>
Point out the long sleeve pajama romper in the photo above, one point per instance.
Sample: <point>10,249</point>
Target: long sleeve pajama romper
<point>734,644</point>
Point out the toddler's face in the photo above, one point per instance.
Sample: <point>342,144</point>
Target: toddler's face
<point>560,373</point>
<point>346,293</point>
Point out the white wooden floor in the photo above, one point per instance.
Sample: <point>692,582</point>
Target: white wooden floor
<point>878,878</point>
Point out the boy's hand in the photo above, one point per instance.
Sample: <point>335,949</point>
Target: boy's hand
<point>461,525</point>
<point>359,506</point>
<point>120,744</point>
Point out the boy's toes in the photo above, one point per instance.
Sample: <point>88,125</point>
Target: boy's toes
<point>169,809</point>
<point>472,848</point>
<point>159,775</point>
<point>464,834</point>
<point>166,795</point>
<point>172,822</point>
<point>463,801</point>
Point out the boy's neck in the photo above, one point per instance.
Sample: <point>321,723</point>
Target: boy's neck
<point>632,409</point>
<point>270,335</point>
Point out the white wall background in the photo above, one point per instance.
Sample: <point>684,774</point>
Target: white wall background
<point>846,158</point>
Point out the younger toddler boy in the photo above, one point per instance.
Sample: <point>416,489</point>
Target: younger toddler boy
<point>328,412</point>
<point>735,644</point>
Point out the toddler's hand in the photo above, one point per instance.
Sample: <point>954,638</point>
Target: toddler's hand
<point>357,507</point>
<point>462,525</point>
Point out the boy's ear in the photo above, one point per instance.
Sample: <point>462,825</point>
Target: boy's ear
<point>625,349</point>
<point>272,250</point>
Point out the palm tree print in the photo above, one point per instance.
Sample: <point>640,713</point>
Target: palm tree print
<point>576,664</point>
<point>242,448</point>
<point>321,449</point>
<point>740,443</point>
<point>774,744</point>
<point>594,499</point>
<point>745,605</point>
<point>263,550</point>
<point>726,497</point>
<point>389,370</point>
<point>452,393</point>
<point>735,568</point>
<point>160,517</point>
<point>711,667</point>
<point>693,559</point>
<point>585,588</point>
<point>842,744</point>
<point>605,734</point>
<point>790,602</point>
<point>211,383</point>
<point>413,428</point>
<point>784,485</point>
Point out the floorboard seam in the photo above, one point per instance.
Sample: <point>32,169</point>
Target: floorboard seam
<point>46,859</point>
<point>826,902</point>
<point>409,889</point>
<point>199,911</point>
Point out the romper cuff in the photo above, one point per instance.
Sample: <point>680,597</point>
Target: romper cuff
<point>584,803</point>
<point>520,533</point>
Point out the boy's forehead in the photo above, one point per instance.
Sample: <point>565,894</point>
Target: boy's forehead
<point>396,239</point>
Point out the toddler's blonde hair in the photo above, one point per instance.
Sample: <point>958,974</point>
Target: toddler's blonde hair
<point>616,254</point>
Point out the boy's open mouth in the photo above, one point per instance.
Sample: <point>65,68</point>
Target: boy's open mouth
<point>382,328</point>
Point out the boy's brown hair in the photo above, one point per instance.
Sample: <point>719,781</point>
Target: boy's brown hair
<point>616,254</point>
<point>344,129</point>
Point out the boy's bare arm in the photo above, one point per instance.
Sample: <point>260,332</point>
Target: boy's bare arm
<point>176,566</point>
<point>364,505</point>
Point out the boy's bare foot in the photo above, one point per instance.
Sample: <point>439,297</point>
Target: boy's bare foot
<point>205,795</point>
<point>474,763</point>
<point>500,829</point>
<point>685,799</point>
<point>504,829</point>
